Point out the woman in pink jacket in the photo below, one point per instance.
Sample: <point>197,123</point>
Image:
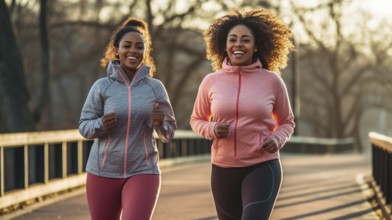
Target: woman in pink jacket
<point>245,109</point>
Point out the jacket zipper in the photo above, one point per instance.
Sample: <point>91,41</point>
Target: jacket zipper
<point>129,86</point>
<point>236,113</point>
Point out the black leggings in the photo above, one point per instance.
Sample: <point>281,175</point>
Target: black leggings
<point>246,193</point>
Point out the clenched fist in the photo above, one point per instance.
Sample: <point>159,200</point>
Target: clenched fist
<point>157,115</point>
<point>269,145</point>
<point>109,120</point>
<point>221,130</point>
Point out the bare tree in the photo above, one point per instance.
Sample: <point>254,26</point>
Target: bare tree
<point>179,48</point>
<point>59,79</point>
<point>15,115</point>
<point>339,73</point>
<point>44,39</point>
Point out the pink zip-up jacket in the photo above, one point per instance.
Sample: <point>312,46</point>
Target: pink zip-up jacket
<point>254,102</point>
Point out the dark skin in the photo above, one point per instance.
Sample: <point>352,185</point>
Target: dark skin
<point>157,115</point>
<point>131,54</point>
<point>110,120</point>
<point>240,46</point>
<point>222,130</point>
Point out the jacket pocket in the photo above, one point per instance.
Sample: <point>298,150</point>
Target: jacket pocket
<point>145,146</point>
<point>105,150</point>
<point>261,140</point>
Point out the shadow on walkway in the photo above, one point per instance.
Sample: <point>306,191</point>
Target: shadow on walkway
<point>314,187</point>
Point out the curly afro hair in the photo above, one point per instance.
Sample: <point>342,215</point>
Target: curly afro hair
<point>272,37</point>
<point>130,25</point>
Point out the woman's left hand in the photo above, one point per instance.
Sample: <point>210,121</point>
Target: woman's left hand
<point>269,145</point>
<point>157,115</point>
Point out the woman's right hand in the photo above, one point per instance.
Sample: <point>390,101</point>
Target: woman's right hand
<point>109,120</point>
<point>221,130</point>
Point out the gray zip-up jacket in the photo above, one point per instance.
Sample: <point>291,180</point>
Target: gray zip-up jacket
<point>130,147</point>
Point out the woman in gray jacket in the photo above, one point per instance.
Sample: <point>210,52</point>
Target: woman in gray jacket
<point>121,112</point>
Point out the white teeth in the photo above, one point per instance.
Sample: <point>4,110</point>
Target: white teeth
<point>238,52</point>
<point>131,58</point>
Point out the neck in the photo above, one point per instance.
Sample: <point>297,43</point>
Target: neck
<point>130,74</point>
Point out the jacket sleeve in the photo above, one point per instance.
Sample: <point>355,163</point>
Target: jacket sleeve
<point>200,118</point>
<point>167,129</point>
<point>90,123</point>
<point>283,115</point>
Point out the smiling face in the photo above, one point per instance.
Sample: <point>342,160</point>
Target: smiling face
<point>131,51</point>
<point>240,45</point>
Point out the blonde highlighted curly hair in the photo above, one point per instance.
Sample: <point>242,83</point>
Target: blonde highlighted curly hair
<point>130,25</point>
<point>272,37</point>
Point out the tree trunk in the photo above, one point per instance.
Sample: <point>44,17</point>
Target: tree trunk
<point>149,16</point>
<point>14,96</point>
<point>43,30</point>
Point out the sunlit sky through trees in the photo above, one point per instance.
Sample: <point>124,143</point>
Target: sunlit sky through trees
<point>378,9</point>
<point>381,8</point>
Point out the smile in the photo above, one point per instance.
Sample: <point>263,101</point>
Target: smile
<point>238,53</point>
<point>132,58</point>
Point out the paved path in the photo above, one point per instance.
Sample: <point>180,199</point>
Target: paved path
<point>324,187</point>
<point>314,187</point>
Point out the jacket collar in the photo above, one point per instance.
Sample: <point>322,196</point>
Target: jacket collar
<point>115,71</point>
<point>254,67</point>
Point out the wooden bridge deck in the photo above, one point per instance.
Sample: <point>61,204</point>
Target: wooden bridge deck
<point>314,187</point>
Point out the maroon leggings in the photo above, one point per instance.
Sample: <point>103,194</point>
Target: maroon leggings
<point>135,196</point>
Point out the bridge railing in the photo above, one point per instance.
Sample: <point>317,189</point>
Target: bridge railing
<point>36,164</point>
<point>382,166</point>
<point>316,145</point>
